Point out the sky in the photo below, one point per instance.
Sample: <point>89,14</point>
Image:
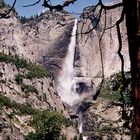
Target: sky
<point>28,11</point>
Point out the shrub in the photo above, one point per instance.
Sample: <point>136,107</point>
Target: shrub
<point>63,137</point>
<point>2,4</point>
<point>6,58</point>
<point>81,136</point>
<point>31,136</point>
<point>18,108</point>
<point>23,19</point>
<point>108,128</point>
<point>1,74</point>
<point>28,88</point>
<point>20,62</point>
<point>25,109</point>
<point>4,101</point>
<point>2,81</point>
<point>34,69</point>
<point>67,122</point>
<point>113,87</point>
<point>19,79</point>
<point>47,125</point>
<point>75,138</point>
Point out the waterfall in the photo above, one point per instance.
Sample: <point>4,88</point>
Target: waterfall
<point>80,128</point>
<point>81,131</point>
<point>66,82</point>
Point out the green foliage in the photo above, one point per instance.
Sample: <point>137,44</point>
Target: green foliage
<point>63,137</point>
<point>25,109</point>
<point>67,122</point>
<point>18,108</point>
<point>28,88</point>
<point>20,62</point>
<point>133,136</point>
<point>75,138</point>
<point>1,74</point>
<point>47,125</point>
<point>31,136</point>
<point>4,101</point>
<point>5,5</point>
<point>2,81</point>
<point>81,136</point>
<point>113,86</point>
<point>34,69</point>
<point>2,3</point>
<point>6,58</point>
<point>19,79</point>
<point>107,128</point>
<point>33,17</point>
<point>23,19</point>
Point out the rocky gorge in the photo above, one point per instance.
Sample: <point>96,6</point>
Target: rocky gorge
<point>32,54</point>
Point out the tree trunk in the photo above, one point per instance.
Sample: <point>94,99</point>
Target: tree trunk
<point>132,10</point>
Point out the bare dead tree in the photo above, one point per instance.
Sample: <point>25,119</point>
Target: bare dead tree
<point>48,4</point>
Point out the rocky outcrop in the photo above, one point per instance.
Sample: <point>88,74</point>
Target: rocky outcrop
<point>43,96</point>
<point>13,126</point>
<point>104,121</point>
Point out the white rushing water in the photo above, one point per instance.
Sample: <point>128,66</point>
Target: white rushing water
<point>80,128</point>
<point>66,83</point>
<point>66,79</point>
<point>85,137</point>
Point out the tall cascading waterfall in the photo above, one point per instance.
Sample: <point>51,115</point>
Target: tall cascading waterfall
<point>66,82</point>
<point>66,79</point>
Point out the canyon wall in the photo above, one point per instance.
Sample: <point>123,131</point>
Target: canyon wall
<point>43,42</point>
<point>24,84</point>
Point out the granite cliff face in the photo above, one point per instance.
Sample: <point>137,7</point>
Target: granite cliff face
<point>88,59</point>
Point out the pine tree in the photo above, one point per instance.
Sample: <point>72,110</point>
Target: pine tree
<point>2,3</point>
